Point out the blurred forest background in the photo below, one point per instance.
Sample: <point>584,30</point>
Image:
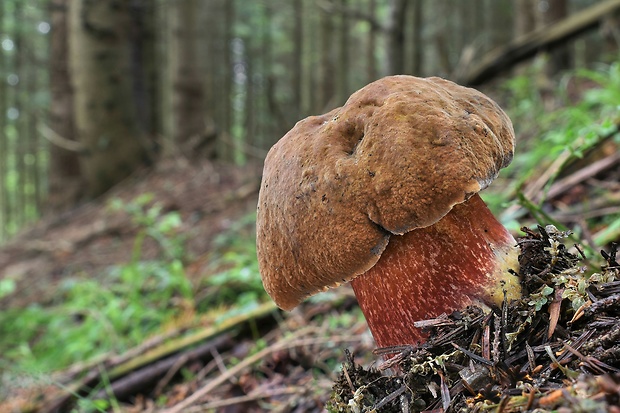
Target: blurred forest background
<point>93,90</point>
<point>132,134</point>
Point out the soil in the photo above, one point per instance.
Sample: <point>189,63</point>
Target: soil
<point>85,240</point>
<point>556,349</point>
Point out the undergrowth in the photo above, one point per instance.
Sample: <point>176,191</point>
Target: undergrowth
<point>573,124</point>
<point>559,127</point>
<point>114,311</point>
<point>96,314</point>
<point>234,278</point>
<point>111,312</point>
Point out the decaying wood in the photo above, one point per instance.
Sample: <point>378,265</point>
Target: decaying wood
<point>543,39</point>
<point>139,379</point>
<point>294,340</point>
<point>561,186</point>
<point>552,194</point>
<point>127,373</point>
<point>135,381</point>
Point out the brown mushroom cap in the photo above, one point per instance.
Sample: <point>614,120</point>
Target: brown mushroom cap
<point>397,156</point>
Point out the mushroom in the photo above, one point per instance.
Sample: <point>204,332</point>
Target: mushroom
<point>383,193</point>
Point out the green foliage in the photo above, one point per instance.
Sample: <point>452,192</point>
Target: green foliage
<point>130,301</point>
<point>152,222</point>
<point>575,127</point>
<point>7,286</point>
<point>551,140</point>
<point>608,95</point>
<point>113,313</point>
<point>93,317</point>
<point>539,299</point>
<point>85,405</point>
<point>235,279</point>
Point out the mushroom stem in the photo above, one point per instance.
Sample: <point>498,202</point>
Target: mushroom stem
<point>462,259</point>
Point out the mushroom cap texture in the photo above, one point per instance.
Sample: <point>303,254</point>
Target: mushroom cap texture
<point>397,156</point>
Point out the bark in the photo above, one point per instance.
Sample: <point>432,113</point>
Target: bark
<point>33,163</point>
<point>525,17</point>
<point>310,80</point>
<point>3,140</point>
<point>342,83</point>
<point>327,88</point>
<point>371,44</point>
<point>266,46</point>
<point>105,109</point>
<point>21,124</point>
<point>442,64</point>
<point>145,70</point>
<point>225,151</point>
<point>499,20</point>
<point>298,56</point>
<point>416,39</point>
<point>559,58</point>
<point>188,104</point>
<point>396,37</point>
<point>250,98</point>
<point>64,179</point>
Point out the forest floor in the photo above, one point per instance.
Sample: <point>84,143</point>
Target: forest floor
<point>260,359</point>
<point>90,238</point>
<point>212,199</point>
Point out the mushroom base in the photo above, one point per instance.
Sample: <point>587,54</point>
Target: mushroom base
<point>461,260</point>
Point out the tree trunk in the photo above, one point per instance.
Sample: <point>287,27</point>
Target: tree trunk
<point>309,81</point>
<point>250,99</point>
<point>343,59</point>
<point>441,14</point>
<point>328,82</point>
<point>145,69</point>
<point>416,45</point>
<point>21,122</point>
<point>188,105</point>
<point>496,24</point>
<point>3,139</point>
<point>298,57</point>
<point>265,122</point>
<point>33,189</point>
<point>371,44</point>
<point>525,17</point>
<point>105,109</point>
<point>560,58</point>
<point>209,51</point>
<point>226,151</point>
<point>396,37</point>
<point>64,179</point>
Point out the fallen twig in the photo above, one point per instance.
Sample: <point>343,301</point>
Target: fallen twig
<point>293,340</point>
<point>144,365</point>
<point>247,398</point>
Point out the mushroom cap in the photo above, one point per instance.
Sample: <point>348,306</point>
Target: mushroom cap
<point>398,155</point>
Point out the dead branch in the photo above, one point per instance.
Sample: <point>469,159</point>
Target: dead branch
<point>561,186</point>
<point>155,361</point>
<point>544,39</point>
<point>294,340</point>
<point>58,140</point>
<point>140,379</point>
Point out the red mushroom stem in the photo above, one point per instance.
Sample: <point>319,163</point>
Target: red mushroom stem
<point>462,259</point>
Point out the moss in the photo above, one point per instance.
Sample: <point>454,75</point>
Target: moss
<point>556,348</point>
